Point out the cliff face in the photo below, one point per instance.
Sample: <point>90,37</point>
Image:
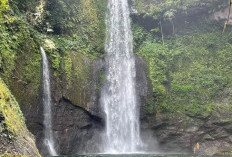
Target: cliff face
<point>14,135</point>
<point>183,81</point>
<point>78,119</point>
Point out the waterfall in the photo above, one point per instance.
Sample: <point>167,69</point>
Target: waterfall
<point>48,133</point>
<point>118,96</point>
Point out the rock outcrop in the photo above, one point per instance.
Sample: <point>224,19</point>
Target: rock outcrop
<point>14,136</point>
<point>181,133</point>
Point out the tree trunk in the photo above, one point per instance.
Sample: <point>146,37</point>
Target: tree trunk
<point>162,33</point>
<point>173,27</point>
<point>228,18</point>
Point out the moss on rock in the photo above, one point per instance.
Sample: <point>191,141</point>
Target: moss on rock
<point>78,87</point>
<point>12,155</point>
<point>15,138</point>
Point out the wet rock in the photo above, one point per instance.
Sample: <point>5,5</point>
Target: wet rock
<point>211,148</point>
<point>182,133</point>
<point>143,85</point>
<point>207,137</point>
<point>75,128</point>
<point>192,129</point>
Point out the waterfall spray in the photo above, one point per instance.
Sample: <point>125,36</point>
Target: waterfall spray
<point>48,133</point>
<point>118,96</point>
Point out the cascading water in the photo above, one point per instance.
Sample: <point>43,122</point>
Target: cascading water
<point>118,96</point>
<point>48,133</point>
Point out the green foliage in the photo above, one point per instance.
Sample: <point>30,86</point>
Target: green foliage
<point>32,70</point>
<point>4,7</point>
<point>170,14</point>
<point>191,72</point>
<point>19,53</point>
<point>82,20</point>
<point>22,6</point>
<point>68,67</point>
<point>20,59</point>
<point>55,58</point>
<point>140,36</point>
<point>7,55</point>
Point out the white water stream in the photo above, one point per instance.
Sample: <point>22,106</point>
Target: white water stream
<point>118,96</point>
<point>48,133</point>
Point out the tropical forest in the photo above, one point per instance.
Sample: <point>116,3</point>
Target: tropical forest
<point>115,78</point>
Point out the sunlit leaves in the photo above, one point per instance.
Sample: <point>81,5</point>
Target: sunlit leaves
<point>4,6</point>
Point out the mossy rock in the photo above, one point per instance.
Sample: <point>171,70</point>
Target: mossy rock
<point>78,87</point>
<point>14,134</point>
<point>12,155</point>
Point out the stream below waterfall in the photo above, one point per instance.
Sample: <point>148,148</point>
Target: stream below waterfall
<point>134,155</point>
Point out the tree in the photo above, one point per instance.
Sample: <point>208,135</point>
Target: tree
<point>4,6</point>
<point>170,15</point>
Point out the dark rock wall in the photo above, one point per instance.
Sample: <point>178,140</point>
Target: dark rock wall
<point>77,117</point>
<point>181,133</point>
<point>77,127</point>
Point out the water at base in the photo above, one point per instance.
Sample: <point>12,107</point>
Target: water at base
<point>134,155</point>
<point>48,133</point>
<point>118,96</point>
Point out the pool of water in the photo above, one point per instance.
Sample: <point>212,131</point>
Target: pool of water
<point>131,155</point>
